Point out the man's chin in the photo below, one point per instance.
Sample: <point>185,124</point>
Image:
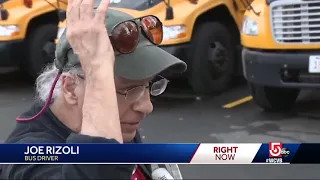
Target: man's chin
<point>128,136</point>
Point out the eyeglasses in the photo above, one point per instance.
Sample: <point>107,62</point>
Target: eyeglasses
<point>156,88</point>
<point>125,35</point>
<point>134,94</point>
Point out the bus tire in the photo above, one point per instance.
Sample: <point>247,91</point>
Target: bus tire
<point>212,45</point>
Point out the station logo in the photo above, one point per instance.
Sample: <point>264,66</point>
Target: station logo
<point>277,152</point>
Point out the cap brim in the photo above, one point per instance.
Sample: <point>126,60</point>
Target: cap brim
<point>146,62</point>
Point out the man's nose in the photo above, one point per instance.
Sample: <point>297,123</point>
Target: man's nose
<point>144,105</point>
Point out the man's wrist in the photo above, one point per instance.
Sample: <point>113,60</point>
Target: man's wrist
<point>90,130</point>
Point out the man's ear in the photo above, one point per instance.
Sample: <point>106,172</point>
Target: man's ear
<point>68,88</point>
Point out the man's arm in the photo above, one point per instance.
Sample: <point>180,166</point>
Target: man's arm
<point>68,171</point>
<point>100,107</point>
<point>89,39</point>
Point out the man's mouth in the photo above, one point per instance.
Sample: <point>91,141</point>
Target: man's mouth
<point>132,126</point>
<point>131,123</point>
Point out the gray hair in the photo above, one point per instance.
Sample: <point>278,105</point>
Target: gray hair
<point>46,78</point>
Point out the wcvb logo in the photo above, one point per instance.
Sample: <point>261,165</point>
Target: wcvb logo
<point>275,149</point>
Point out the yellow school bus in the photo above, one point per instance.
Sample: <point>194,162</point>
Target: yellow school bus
<point>27,27</point>
<point>203,33</point>
<point>281,40</point>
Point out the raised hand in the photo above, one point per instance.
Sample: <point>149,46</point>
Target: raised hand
<point>88,37</point>
<point>87,33</point>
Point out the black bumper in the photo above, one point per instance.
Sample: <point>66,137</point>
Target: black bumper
<point>279,69</point>
<point>11,52</point>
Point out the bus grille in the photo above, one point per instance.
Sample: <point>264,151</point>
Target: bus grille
<point>295,21</point>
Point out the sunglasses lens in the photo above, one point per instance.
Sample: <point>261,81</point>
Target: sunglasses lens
<point>125,36</point>
<point>152,28</point>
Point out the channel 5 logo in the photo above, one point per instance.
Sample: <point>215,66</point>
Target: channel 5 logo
<point>276,150</point>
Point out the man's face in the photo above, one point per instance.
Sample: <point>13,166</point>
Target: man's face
<point>131,112</point>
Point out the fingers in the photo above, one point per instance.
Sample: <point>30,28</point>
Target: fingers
<point>83,10</point>
<point>102,11</point>
<point>73,12</point>
<point>86,10</point>
<point>70,2</point>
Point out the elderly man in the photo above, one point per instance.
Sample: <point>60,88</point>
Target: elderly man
<point>97,91</point>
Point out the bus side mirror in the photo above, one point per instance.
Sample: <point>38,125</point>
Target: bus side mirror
<point>4,14</point>
<point>169,13</point>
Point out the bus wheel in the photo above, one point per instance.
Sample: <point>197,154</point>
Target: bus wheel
<point>37,55</point>
<point>212,58</point>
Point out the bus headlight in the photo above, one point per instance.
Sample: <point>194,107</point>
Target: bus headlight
<point>249,27</point>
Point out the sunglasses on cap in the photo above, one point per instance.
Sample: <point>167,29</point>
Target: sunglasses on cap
<point>125,35</point>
